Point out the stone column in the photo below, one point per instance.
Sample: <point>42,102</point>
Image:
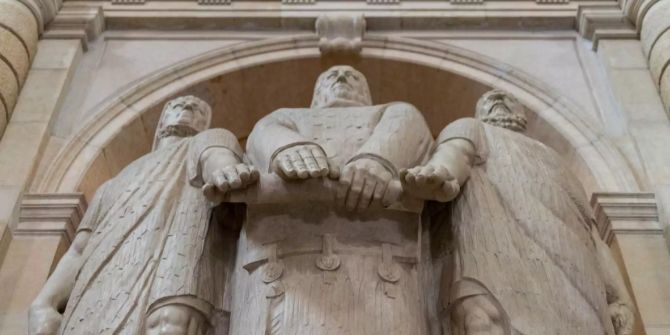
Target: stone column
<point>21,22</point>
<point>46,227</point>
<point>630,224</point>
<point>652,18</point>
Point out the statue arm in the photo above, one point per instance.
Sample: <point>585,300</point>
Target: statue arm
<point>461,145</point>
<point>216,163</point>
<point>621,307</point>
<point>44,313</point>
<point>56,291</point>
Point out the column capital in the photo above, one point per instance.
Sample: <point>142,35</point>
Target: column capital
<point>625,213</point>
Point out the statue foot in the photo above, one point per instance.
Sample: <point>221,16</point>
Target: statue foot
<point>476,315</point>
<point>176,320</point>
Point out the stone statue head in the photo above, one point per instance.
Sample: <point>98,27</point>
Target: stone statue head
<point>500,109</point>
<point>184,116</point>
<point>341,86</point>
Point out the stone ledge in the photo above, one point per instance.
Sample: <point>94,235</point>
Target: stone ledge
<point>51,214</point>
<point>625,213</point>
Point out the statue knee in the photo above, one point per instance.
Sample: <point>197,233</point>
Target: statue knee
<point>176,320</point>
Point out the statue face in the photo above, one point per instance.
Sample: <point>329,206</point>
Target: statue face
<point>182,117</point>
<point>341,86</point>
<point>186,112</point>
<point>500,109</point>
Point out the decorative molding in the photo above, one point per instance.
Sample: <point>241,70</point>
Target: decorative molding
<point>340,34</point>
<point>214,2</point>
<point>50,214</point>
<point>595,23</point>
<point>81,22</point>
<point>127,2</point>
<point>467,2</point>
<point>298,2</point>
<point>552,2</point>
<point>625,213</point>
<point>383,2</point>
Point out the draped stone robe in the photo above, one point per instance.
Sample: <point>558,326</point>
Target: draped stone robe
<point>151,241</point>
<point>306,268</point>
<point>519,232</point>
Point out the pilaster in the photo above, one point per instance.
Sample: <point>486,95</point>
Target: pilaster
<point>46,228</point>
<point>630,224</point>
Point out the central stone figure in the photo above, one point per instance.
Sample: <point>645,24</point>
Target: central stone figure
<point>321,267</point>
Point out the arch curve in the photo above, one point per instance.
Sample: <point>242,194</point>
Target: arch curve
<point>555,119</point>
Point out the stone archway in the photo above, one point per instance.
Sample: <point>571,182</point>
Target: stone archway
<point>555,120</point>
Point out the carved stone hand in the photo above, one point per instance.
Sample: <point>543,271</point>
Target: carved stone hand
<point>44,319</point>
<point>233,177</point>
<point>303,161</point>
<point>363,181</point>
<point>430,182</point>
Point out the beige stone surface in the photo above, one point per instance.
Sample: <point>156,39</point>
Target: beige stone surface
<point>641,101</point>
<point>665,90</point>
<point>556,62</point>
<point>60,54</point>
<point>12,49</point>
<point>111,65</point>
<point>4,118</point>
<point>619,54</point>
<point>39,100</point>
<point>655,22</point>
<point>25,278</point>
<point>19,18</point>
<point>9,86</point>
<point>647,260</point>
<point>660,56</point>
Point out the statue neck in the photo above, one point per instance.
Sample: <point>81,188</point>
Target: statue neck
<point>342,103</point>
<point>167,141</point>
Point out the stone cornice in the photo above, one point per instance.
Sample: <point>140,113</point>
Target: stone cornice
<point>604,21</point>
<point>51,214</point>
<point>77,21</point>
<point>300,15</point>
<point>625,213</point>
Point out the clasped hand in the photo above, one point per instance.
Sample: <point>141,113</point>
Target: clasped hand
<point>362,182</point>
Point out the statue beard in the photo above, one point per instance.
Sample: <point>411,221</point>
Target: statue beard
<point>176,130</point>
<point>506,120</point>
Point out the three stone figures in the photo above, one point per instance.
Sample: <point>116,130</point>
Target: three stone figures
<point>336,238</point>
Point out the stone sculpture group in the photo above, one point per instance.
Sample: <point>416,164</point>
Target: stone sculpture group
<point>356,222</point>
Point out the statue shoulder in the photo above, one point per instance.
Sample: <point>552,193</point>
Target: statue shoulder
<point>402,105</point>
<point>402,109</point>
<point>214,133</point>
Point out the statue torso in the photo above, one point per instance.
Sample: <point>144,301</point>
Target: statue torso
<point>339,131</point>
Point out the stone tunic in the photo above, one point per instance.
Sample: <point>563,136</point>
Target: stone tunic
<point>519,232</point>
<point>151,240</point>
<point>311,268</point>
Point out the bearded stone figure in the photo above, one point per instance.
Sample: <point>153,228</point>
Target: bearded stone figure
<point>516,251</point>
<point>146,259</point>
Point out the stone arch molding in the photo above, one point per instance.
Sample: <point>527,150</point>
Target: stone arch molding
<point>601,160</point>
